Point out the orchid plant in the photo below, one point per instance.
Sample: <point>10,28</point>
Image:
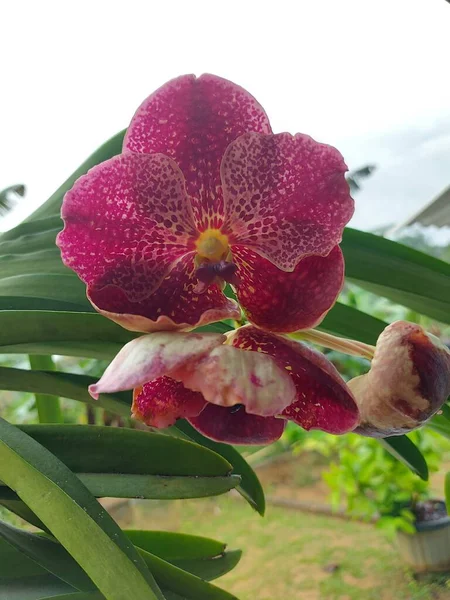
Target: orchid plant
<point>212,253</point>
<point>204,195</point>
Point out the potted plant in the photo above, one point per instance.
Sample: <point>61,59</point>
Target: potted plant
<point>373,485</point>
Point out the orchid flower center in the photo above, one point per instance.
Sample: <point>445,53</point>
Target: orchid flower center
<point>212,245</point>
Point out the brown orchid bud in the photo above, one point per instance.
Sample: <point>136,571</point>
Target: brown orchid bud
<point>408,382</point>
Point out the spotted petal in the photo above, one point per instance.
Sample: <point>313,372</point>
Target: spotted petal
<point>231,427</point>
<point>193,120</point>
<point>285,196</point>
<point>161,402</point>
<point>174,305</point>
<point>227,376</point>
<point>127,222</point>
<point>323,401</point>
<point>151,356</point>
<point>279,301</point>
<point>408,381</point>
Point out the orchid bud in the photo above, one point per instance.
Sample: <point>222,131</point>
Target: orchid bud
<point>408,382</point>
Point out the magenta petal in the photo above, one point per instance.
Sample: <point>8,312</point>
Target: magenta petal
<point>163,401</point>
<point>193,120</point>
<point>323,399</point>
<point>127,222</point>
<point>286,196</point>
<point>174,305</point>
<point>280,301</point>
<point>236,426</point>
<point>150,356</point>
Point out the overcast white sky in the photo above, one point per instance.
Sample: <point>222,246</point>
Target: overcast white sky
<point>369,77</point>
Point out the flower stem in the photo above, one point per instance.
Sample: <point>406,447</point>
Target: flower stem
<point>327,340</point>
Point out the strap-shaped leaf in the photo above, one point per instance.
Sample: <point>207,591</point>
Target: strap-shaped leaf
<point>126,463</point>
<point>119,450</point>
<point>404,450</point>
<point>403,275</point>
<point>349,322</point>
<point>73,516</point>
<point>38,587</point>
<point>55,559</point>
<point>189,586</point>
<point>65,385</point>
<point>206,558</point>
<point>61,332</point>
<point>49,555</point>
<point>250,487</point>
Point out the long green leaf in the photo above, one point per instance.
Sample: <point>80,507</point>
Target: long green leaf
<point>250,487</point>
<point>19,508</point>
<point>65,385</point>
<point>73,516</point>
<point>349,322</point>
<point>178,581</point>
<point>59,287</point>
<point>206,558</point>
<point>28,329</point>
<point>98,449</point>
<point>49,555</point>
<point>403,275</point>
<point>404,450</point>
<point>38,587</point>
<point>55,559</point>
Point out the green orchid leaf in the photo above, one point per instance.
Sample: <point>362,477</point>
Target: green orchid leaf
<point>392,270</point>
<point>203,557</point>
<point>404,450</point>
<point>250,487</point>
<point>176,546</point>
<point>149,465</point>
<point>65,385</point>
<point>11,502</point>
<point>95,449</point>
<point>349,322</point>
<point>90,333</point>
<point>180,582</point>
<point>73,516</point>
<point>38,587</point>
<point>50,555</point>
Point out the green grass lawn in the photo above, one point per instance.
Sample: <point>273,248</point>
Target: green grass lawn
<point>289,555</point>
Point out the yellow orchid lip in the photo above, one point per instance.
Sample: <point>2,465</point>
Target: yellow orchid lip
<point>212,245</point>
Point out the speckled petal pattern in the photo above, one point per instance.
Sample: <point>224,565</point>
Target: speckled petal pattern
<point>280,301</point>
<point>285,196</point>
<point>127,222</point>
<point>227,376</point>
<point>173,306</point>
<point>151,356</point>
<point>160,403</point>
<point>323,400</point>
<point>193,120</point>
<point>230,427</point>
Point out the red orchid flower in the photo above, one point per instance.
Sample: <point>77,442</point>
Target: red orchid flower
<point>239,392</point>
<point>204,194</point>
